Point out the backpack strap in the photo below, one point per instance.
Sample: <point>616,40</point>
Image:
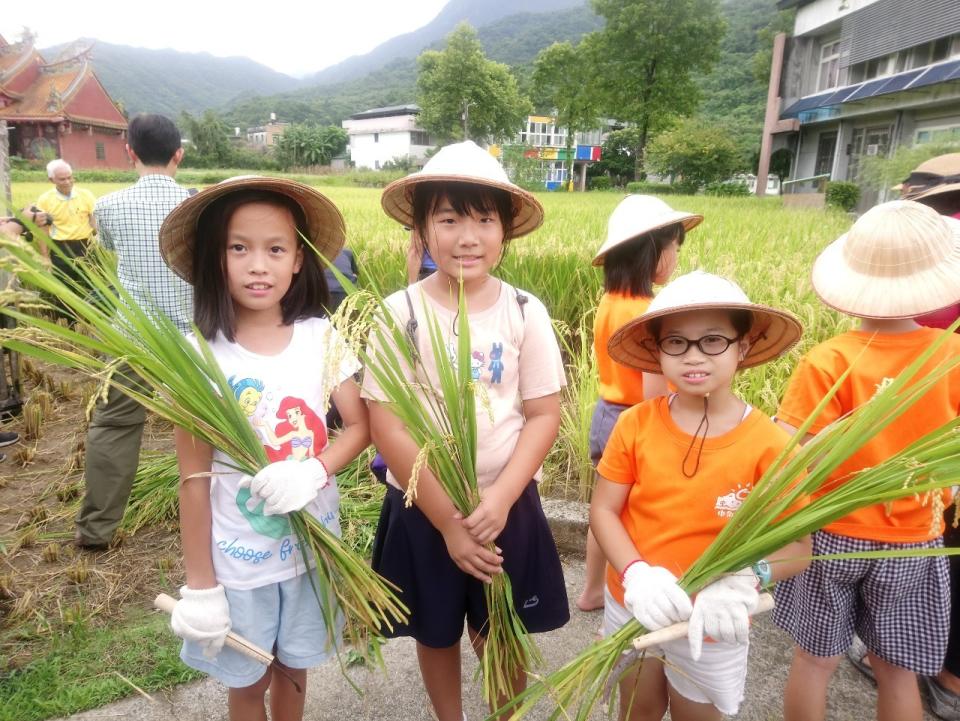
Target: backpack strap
<point>411,326</point>
<point>521,301</point>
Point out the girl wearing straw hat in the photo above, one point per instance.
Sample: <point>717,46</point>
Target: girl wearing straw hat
<point>644,236</point>
<point>674,470</point>
<point>465,210</point>
<point>898,261</point>
<point>258,297</point>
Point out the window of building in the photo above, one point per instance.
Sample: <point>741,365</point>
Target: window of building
<point>867,142</point>
<point>419,137</point>
<point>376,137</point>
<point>826,145</point>
<point>829,66</point>
<point>946,134</point>
<point>101,152</point>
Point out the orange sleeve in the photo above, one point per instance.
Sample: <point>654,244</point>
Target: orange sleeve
<point>618,463</point>
<point>808,385</point>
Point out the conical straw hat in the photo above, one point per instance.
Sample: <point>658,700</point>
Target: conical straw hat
<point>325,226</point>
<point>639,214</point>
<point>899,260</point>
<point>771,334</point>
<point>464,162</point>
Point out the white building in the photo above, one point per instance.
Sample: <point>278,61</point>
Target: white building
<point>860,78</point>
<point>383,134</point>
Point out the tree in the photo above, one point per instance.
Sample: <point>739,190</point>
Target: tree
<point>463,95</point>
<point>617,155</point>
<point>209,136</point>
<point>310,145</point>
<point>695,151</point>
<point>646,57</point>
<point>563,76</point>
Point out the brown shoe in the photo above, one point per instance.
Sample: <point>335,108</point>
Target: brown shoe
<point>80,542</point>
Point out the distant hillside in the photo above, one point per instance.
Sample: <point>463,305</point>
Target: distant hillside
<point>168,81</point>
<point>731,95</point>
<point>477,12</point>
<point>514,40</point>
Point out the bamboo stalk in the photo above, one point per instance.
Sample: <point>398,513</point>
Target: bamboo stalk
<point>679,630</point>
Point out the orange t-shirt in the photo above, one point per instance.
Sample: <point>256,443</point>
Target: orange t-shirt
<point>886,355</point>
<point>670,518</point>
<point>618,383</point>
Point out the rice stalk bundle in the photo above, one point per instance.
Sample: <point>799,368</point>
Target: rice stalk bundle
<point>187,388</point>
<point>442,421</point>
<point>779,511</point>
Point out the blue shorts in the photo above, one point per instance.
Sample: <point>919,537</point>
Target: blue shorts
<point>282,618</point>
<point>411,553</point>
<point>604,418</point>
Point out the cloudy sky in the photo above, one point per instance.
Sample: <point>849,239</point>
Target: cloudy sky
<point>293,37</point>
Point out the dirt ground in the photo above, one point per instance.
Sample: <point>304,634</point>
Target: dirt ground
<point>46,584</point>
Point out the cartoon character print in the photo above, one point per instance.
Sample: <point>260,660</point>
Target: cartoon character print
<point>249,392</point>
<point>476,364</point>
<point>727,504</point>
<point>496,364</point>
<point>301,433</point>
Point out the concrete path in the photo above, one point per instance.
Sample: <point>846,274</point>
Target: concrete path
<point>397,694</point>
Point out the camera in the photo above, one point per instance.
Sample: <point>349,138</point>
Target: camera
<point>39,217</point>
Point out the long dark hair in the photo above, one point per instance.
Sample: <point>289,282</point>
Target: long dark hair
<point>464,198</point>
<point>631,267</point>
<point>213,310</point>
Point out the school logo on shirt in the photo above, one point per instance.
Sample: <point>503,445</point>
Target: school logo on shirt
<point>728,503</point>
<point>882,386</point>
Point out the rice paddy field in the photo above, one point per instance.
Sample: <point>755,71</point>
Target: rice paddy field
<point>62,614</point>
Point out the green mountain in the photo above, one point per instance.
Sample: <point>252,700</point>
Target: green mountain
<point>478,13</point>
<point>731,95</point>
<point>168,81</point>
<point>515,40</point>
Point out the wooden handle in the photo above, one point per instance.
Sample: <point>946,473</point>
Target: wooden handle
<point>679,630</point>
<point>166,603</point>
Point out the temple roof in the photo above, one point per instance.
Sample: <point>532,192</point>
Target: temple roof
<point>66,89</point>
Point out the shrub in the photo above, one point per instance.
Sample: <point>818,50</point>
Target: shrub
<point>843,194</point>
<point>728,190</point>
<point>695,151</point>
<point>644,187</point>
<point>600,182</point>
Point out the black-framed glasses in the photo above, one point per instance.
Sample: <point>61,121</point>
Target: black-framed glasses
<point>711,344</point>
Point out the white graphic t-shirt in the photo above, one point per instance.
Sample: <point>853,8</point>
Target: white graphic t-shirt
<point>282,395</point>
<point>514,357</point>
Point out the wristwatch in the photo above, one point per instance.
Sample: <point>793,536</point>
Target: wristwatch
<point>763,572</point>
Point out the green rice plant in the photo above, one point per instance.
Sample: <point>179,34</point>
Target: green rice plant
<point>442,421</point>
<point>568,470</point>
<point>189,390</point>
<point>154,498</point>
<point>779,511</point>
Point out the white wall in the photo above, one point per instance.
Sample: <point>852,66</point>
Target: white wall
<point>821,12</point>
<point>367,153</point>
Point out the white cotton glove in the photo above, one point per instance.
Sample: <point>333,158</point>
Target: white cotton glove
<point>286,486</point>
<point>722,610</point>
<point>202,615</point>
<point>652,595</point>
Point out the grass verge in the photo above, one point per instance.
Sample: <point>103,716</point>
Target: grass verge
<point>81,669</point>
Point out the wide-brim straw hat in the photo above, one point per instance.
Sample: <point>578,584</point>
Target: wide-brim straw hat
<point>639,214</point>
<point>464,162</point>
<point>899,260</point>
<point>771,334</point>
<point>935,177</point>
<point>325,227</point>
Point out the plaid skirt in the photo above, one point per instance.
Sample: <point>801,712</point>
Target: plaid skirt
<point>899,607</point>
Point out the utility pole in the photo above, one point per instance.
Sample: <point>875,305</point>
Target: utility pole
<point>466,119</point>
